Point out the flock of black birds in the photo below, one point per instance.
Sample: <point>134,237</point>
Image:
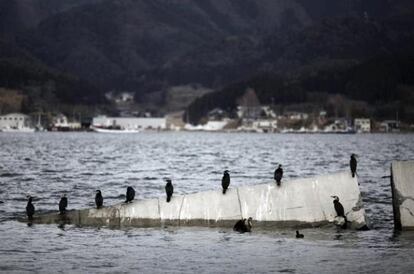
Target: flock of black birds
<point>242,226</point>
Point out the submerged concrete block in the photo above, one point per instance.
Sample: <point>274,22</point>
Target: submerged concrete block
<point>211,207</point>
<point>297,202</point>
<point>139,213</point>
<point>402,185</point>
<point>303,200</point>
<point>170,211</point>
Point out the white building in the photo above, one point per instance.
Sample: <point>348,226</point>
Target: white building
<point>130,122</point>
<point>265,125</point>
<point>362,125</point>
<point>15,121</point>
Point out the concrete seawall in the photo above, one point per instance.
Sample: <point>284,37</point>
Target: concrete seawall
<point>402,185</point>
<point>301,202</point>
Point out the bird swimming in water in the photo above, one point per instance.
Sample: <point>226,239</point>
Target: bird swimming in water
<point>298,235</point>
<point>30,209</point>
<point>130,194</point>
<point>339,209</point>
<point>243,225</point>
<point>98,199</point>
<point>63,204</point>
<point>353,164</point>
<point>278,175</point>
<point>225,181</point>
<point>169,190</point>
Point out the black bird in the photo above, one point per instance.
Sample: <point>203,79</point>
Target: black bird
<point>98,199</point>
<point>130,194</point>
<point>243,225</point>
<point>225,181</point>
<point>298,235</point>
<point>339,210</point>
<point>353,164</point>
<point>63,204</point>
<point>169,189</point>
<point>278,175</point>
<point>30,209</point>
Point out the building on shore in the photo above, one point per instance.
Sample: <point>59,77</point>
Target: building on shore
<point>362,125</point>
<point>15,121</point>
<point>135,123</point>
<point>389,126</point>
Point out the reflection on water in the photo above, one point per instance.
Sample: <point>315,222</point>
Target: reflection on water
<point>49,164</point>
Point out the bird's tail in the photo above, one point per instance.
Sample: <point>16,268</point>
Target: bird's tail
<point>278,183</point>
<point>353,174</point>
<point>168,199</point>
<point>345,225</point>
<point>224,190</point>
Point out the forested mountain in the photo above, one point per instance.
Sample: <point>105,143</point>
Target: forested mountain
<point>148,46</point>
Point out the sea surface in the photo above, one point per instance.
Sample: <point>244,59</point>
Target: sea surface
<point>46,165</point>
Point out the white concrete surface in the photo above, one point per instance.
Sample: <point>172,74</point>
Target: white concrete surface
<point>402,184</point>
<point>211,205</point>
<point>300,201</point>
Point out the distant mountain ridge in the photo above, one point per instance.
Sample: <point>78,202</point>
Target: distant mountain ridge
<point>147,46</point>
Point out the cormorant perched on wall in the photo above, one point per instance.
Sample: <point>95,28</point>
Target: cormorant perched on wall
<point>169,190</point>
<point>63,204</point>
<point>130,194</point>
<point>243,225</point>
<point>30,209</point>
<point>225,181</point>
<point>339,209</point>
<point>98,199</point>
<point>298,235</point>
<point>278,175</point>
<point>353,164</point>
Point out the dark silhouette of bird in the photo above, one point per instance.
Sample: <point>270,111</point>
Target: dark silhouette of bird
<point>298,235</point>
<point>353,164</point>
<point>225,181</point>
<point>339,210</point>
<point>63,204</point>
<point>243,225</point>
<point>278,175</point>
<point>30,209</point>
<point>98,199</point>
<point>169,190</point>
<point>130,194</point>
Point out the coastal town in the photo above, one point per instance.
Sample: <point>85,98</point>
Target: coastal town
<point>259,119</point>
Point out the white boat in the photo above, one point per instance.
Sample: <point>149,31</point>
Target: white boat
<point>18,129</point>
<point>114,130</point>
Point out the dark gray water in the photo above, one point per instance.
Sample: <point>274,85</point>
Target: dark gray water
<point>49,164</point>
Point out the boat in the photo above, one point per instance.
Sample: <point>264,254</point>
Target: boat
<point>114,130</point>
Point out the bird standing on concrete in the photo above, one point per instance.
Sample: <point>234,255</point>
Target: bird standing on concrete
<point>63,204</point>
<point>353,164</point>
<point>98,199</point>
<point>169,190</point>
<point>243,225</point>
<point>30,209</point>
<point>339,209</point>
<point>298,235</point>
<point>130,194</point>
<point>278,175</point>
<point>225,181</point>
